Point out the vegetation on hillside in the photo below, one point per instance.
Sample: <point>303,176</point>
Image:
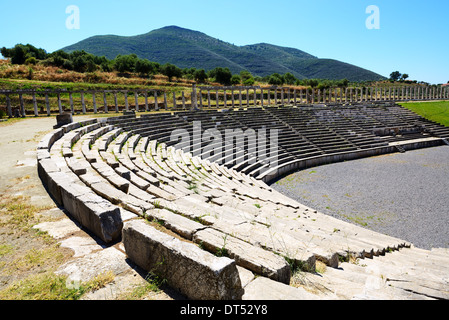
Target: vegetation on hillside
<point>187,48</point>
<point>30,67</point>
<point>31,63</point>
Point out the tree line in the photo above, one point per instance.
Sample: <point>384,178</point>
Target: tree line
<point>81,61</point>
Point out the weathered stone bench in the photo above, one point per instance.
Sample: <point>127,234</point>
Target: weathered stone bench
<point>196,273</point>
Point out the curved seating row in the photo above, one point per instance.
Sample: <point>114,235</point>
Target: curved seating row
<point>109,172</point>
<point>135,175</point>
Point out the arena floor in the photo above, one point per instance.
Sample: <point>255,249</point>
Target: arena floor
<point>405,195</point>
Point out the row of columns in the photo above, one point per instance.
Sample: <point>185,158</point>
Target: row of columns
<point>21,111</point>
<point>262,96</point>
<point>331,95</point>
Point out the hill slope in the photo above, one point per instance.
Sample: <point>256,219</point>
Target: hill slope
<point>186,49</point>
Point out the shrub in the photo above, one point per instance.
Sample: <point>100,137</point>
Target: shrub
<point>221,75</point>
<point>235,79</point>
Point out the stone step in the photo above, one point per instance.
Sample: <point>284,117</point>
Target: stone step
<point>194,272</point>
<point>258,260</point>
<point>263,288</point>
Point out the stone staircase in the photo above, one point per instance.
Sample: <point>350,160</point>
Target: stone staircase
<point>227,234</point>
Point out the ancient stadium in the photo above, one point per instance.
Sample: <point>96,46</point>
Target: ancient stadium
<point>204,174</point>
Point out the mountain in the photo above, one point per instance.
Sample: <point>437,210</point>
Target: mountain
<point>187,48</point>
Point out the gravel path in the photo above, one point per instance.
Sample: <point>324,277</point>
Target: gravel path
<point>403,195</point>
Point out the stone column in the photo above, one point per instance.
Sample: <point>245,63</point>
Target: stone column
<point>126,102</point>
<point>165,101</point>
<point>175,105</point>
<point>232,98</point>
<point>247,97</point>
<point>216,100</point>
<point>22,105</point>
<point>183,101</point>
<point>105,103</point>
<point>208,98</point>
<point>94,101</point>
<point>71,103</point>
<point>240,97</point>
<point>146,100</point>
<point>136,101</point>
<point>83,103</point>
<point>261,97</point>
<point>194,98</point>
<point>8,106</point>
<point>36,113</point>
<point>201,99</point>
<point>116,102</point>
<point>47,104</point>
<point>156,104</point>
<point>59,103</point>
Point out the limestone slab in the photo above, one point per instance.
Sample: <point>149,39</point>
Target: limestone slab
<point>256,259</point>
<point>194,272</point>
<point>263,288</point>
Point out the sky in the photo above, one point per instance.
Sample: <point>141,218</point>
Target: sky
<point>383,36</point>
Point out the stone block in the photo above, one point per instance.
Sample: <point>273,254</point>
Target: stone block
<point>265,289</point>
<point>55,182</point>
<point>175,222</point>
<point>44,167</point>
<point>258,260</point>
<point>99,216</point>
<point>48,140</point>
<point>197,274</point>
<point>123,172</point>
<point>63,119</point>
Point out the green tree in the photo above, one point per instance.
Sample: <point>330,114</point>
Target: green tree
<point>170,70</point>
<point>200,76</point>
<point>289,78</point>
<point>276,79</point>
<point>221,75</point>
<point>144,67</point>
<point>395,76</point>
<point>236,79</point>
<point>125,63</point>
<point>20,53</point>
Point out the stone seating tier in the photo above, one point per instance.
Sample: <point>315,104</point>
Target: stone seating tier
<point>114,178</point>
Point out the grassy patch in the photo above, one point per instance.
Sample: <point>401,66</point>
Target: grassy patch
<point>153,283</point>
<point>49,286</point>
<point>5,249</point>
<point>18,213</point>
<point>437,111</point>
<point>45,286</point>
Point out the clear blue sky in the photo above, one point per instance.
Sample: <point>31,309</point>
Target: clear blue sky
<point>412,37</point>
